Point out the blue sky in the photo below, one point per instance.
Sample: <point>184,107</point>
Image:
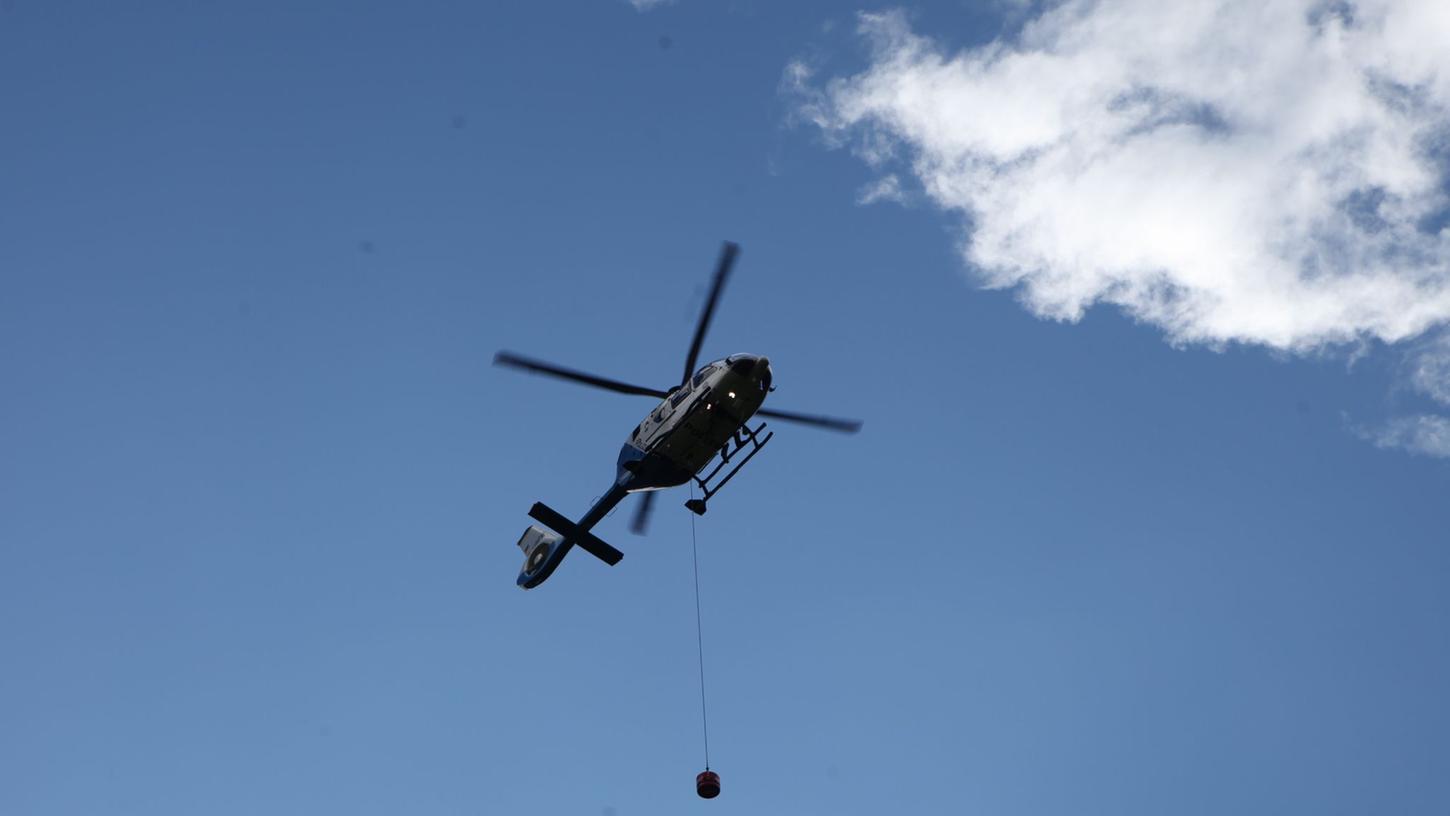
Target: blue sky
<point>260,484</point>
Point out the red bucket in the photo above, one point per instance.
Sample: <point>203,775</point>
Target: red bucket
<point>707,784</point>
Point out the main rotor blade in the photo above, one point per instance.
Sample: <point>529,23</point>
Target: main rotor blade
<point>722,271</point>
<point>829,423</point>
<point>641,513</point>
<point>511,360</point>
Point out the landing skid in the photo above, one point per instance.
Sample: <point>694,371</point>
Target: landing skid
<point>743,437</point>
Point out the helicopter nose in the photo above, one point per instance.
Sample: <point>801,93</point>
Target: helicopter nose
<point>748,365</point>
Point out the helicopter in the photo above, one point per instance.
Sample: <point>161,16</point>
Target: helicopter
<point>703,418</point>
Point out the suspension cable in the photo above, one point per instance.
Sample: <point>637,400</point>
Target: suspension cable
<point>699,634</point>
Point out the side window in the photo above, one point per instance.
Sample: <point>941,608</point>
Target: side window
<point>679,397</point>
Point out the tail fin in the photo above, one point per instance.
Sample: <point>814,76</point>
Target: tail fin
<point>543,550</point>
<point>586,540</point>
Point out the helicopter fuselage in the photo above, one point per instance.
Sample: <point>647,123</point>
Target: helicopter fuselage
<point>692,424</point>
<point>705,416</point>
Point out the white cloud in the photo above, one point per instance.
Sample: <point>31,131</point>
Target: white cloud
<point>1227,170</point>
<point>1430,368</point>
<point>646,5</point>
<point>1424,434</point>
<point>887,188</point>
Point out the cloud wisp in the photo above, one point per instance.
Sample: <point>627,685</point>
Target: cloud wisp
<point>1229,171</point>
<point>886,188</point>
<point>1426,434</point>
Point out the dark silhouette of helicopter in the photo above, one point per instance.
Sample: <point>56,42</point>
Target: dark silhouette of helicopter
<point>702,418</point>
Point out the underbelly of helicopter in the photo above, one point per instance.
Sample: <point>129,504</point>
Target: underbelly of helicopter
<point>678,455</point>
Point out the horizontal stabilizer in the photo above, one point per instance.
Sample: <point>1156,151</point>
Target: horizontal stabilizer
<point>584,539</point>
